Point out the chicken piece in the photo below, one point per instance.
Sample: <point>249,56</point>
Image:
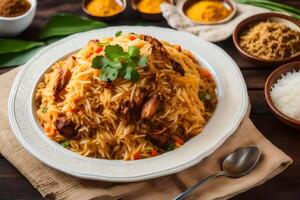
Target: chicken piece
<point>63,76</point>
<point>177,67</point>
<point>159,138</point>
<point>66,127</point>
<point>160,53</point>
<point>151,107</point>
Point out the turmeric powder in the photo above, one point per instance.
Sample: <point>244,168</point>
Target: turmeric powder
<point>102,8</point>
<point>208,11</point>
<point>150,6</point>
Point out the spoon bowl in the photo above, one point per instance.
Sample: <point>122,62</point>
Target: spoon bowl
<point>241,161</point>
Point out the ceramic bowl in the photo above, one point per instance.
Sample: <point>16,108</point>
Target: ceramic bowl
<point>147,16</point>
<point>231,93</point>
<point>228,3</point>
<point>272,79</point>
<point>275,17</point>
<point>13,26</point>
<point>104,18</point>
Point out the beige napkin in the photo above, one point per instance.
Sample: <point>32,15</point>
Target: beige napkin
<point>53,184</point>
<point>213,33</point>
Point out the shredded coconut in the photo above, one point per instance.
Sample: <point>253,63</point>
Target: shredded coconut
<point>285,94</point>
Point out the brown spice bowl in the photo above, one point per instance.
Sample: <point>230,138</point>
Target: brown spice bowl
<point>228,3</point>
<point>246,23</point>
<point>148,16</point>
<point>104,18</point>
<point>272,79</point>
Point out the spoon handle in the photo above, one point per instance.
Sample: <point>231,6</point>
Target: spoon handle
<point>193,187</point>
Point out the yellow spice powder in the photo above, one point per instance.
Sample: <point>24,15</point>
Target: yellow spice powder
<point>104,7</point>
<point>208,11</point>
<point>150,6</point>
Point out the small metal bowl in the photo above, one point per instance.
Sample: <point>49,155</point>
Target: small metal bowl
<point>104,18</point>
<point>148,16</point>
<point>228,3</point>
<point>246,23</point>
<point>272,79</point>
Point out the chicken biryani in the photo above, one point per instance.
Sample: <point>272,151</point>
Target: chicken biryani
<point>126,97</point>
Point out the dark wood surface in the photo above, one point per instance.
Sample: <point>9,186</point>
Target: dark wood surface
<point>285,186</point>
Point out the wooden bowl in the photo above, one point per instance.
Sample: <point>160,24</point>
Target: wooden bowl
<point>246,23</point>
<point>228,3</point>
<point>104,18</point>
<point>148,16</point>
<point>272,79</point>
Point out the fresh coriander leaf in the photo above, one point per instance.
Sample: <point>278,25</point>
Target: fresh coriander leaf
<point>67,24</point>
<point>118,33</point>
<point>135,76</point>
<point>133,51</point>
<point>65,144</point>
<point>204,96</point>
<point>114,52</point>
<point>127,74</point>
<point>13,46</point>
<point>108,73</point>
<point>99,62</point>
<point>115,64</point>
<point>143,61</point>
<point>171,147</point>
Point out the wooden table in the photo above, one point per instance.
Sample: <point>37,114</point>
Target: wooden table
<point>285,186</point>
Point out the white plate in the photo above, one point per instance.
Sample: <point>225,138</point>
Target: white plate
<point>231,108</point>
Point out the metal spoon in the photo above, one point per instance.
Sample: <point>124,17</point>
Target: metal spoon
<point>235,165</point>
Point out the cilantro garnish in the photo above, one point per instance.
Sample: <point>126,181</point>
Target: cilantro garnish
<point>171,147</point>
<point>65,144</point>
<point>117,34</point>
<point>117,62</point>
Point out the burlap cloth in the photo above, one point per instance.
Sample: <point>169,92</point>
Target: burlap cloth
<point>53,184</point>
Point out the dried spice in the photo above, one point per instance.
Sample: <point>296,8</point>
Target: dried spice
<point>13,8</point>
<point>271,40</point>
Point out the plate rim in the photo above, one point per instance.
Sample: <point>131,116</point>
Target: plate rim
<point>176,169</point>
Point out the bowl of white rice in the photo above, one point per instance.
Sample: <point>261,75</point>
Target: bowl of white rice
<point>282,92</point>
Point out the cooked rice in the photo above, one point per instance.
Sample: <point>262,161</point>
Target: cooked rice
<point>102,131</point>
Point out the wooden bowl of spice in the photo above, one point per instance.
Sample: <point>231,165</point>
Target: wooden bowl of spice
<point>268,39</point>
<point>16,16</point>
<point>149,9</point>
<point>105,10</point>
<point>282,93</point>
<point>208,12</point>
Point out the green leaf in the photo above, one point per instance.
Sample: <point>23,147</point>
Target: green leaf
<point>120,63</point>
<point>115,64</point>
<point>143,61</point>
<point>127,73</point>
<point>109,74</point>
<point>99,62</point>
<point>13,46</point>
<point>114,52</point>
<point>171,147</point>
<point>65,144</point>
<point>19,58</point>
<point>135,76</point>
<point>133,51</point>
<point>67,24</point>
<point>118,33</point>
